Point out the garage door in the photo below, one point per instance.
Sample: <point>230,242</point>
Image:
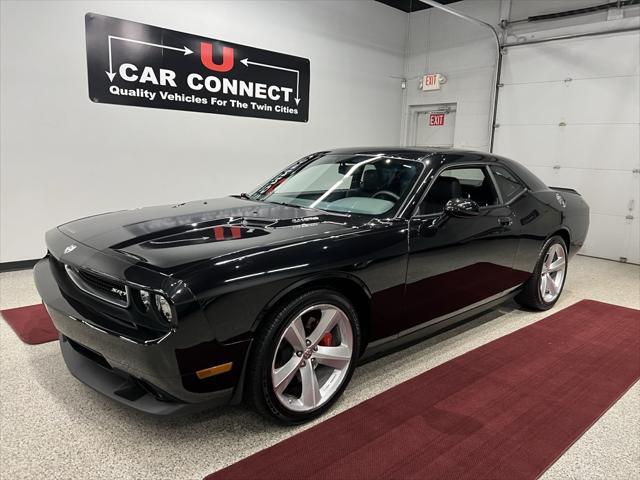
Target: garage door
<point>570,111</point>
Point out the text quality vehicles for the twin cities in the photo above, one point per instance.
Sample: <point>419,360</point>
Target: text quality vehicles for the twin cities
<point>211,83</point>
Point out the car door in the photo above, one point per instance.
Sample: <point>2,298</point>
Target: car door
<point>457,262</point>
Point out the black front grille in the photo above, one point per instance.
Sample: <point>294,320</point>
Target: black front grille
<point>101,283</point>
<point>100,286</point>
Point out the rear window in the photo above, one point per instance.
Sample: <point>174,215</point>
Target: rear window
<point>508,185</point>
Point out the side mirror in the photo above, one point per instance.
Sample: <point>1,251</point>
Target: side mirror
<point>462,207</point>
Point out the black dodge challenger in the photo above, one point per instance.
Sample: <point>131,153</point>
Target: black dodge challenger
<point>274,296</point>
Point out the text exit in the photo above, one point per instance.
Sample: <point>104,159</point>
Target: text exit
<point>436,119</point>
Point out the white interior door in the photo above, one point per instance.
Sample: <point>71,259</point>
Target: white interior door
<point>570,111</point>
<point>435,125</point>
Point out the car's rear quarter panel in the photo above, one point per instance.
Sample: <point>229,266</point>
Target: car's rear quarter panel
<point>541,215</point>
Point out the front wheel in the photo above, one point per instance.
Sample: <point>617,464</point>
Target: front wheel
<point>543,289</point>
<point>304,357</point>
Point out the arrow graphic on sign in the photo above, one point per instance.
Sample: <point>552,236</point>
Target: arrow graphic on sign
<point>246,63</point>
<point>111,74</point>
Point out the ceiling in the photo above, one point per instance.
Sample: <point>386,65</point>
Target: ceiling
<point>411,5</point>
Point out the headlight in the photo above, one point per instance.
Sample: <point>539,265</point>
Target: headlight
<point>146,300</point>
<point>164,308</point>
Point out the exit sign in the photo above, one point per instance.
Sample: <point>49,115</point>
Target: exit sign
<point>436,119</point>
<point>432,81</point>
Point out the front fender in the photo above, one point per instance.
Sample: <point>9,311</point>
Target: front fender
<point>235,294</point>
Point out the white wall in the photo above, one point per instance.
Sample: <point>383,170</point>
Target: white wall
<point>564,137</point>
<point>63,157</point>
<point>465,54</point>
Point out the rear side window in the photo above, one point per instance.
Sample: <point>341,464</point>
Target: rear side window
<point>509,186</point>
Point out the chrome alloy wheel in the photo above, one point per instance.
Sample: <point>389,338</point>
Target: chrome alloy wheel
<point>552,273</point>
<point>312,358</point>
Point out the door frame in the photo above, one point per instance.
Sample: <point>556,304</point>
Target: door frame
<point>415,110</point>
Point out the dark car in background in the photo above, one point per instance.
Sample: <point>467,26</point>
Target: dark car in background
<point>274,296</point>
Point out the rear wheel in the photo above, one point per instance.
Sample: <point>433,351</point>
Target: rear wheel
<point>543,289</point>
<point>304,357</point>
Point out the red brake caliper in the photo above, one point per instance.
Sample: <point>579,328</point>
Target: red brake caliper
<point>327,340</point>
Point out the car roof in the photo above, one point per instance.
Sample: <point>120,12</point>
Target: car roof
<point>415,153</point>
<point>447,157</point>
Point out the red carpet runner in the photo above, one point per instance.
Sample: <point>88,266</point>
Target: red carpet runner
<point>32,324</point>
<point>506,410</point>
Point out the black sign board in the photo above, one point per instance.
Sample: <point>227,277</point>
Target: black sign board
<point>131,63</point>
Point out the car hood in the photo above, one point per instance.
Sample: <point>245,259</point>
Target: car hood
<point>172,237</point>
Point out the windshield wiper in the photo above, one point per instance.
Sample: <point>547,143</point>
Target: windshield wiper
<point>246,196</point>
<point>281,203</point>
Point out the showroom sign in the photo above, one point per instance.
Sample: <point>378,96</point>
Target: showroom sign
<point>131,63</point>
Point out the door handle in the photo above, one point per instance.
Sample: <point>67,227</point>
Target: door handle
<point>505,221</point>
<point>429,228</point>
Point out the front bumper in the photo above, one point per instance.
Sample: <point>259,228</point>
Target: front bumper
<point>131,391</point>
<point>157,378</point>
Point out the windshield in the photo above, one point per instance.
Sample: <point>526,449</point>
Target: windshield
<point>362,184</point>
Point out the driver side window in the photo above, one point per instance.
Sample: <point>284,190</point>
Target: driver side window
<point>472,183</point>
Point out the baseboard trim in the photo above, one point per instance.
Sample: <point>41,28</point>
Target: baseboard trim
<point>19,265</point>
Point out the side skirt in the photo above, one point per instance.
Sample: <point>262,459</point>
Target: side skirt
<point>389,345</point>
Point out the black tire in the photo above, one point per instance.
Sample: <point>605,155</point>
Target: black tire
<point>530,296</point>
<point>259,386</point>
